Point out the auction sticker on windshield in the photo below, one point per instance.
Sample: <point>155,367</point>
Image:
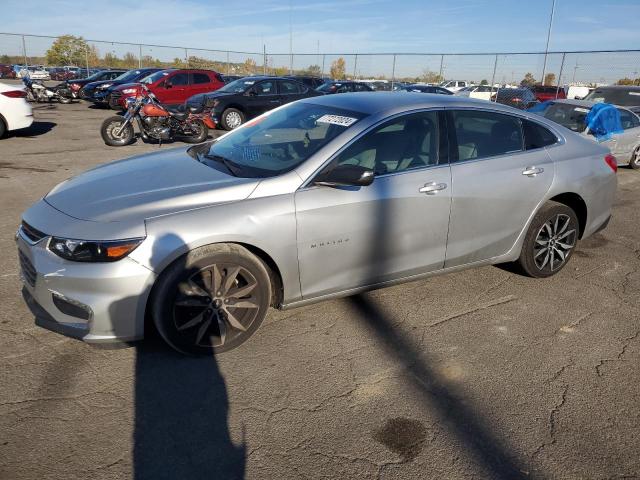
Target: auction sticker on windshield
<point>337,120</point>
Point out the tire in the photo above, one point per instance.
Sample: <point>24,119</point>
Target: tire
<point>192,300</point>
<point>3,128</point>
<point>108,127</point>
<point>635,159</point>
<point>232,118</point>
<point>201,136</point>
<point>550,240</point>
<point>64,100</point>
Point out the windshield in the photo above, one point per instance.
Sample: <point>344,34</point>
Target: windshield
<point>280,140</point>
<point>616,96</point>
<point>238,86</point>
<point>154,77</point>
<point>567,115</point>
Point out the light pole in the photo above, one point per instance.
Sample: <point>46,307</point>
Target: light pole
<point>546,50</point>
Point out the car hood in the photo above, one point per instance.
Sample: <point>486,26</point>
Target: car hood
<point>147,186</point>
<point>207,99</point>
<point>121,86</point>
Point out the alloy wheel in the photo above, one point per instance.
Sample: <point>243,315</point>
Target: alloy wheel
<point>216,305</point>
<point>554,242</point>
<point>233,120</point>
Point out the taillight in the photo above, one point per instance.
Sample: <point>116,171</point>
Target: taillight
<point>15,94</point>
<point>612,162</point>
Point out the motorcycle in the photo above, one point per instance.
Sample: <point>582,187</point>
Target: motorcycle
<point>39,92</point>
<point>156,122</point>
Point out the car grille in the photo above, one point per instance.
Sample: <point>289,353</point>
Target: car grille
<point>28,272</point>
<point>31,233</point>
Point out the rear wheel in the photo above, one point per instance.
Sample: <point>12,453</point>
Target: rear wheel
<point>550,240</point>
<point>231,118</point>
<point>635,159</point>
<point>114,134</point>
<point>211,300</point>
<point>200,132</point>
<point>64,100</point>
<point>3,128</point>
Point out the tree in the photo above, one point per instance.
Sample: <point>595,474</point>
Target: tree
<point>484,82</point>
<point>71,50</point>
<point>528,80</point>
<point>249,66</point>
<point>431,77</point>
<point>628,81</point>
<point>314,70</point>
<point>338,69</point>
<point>549,79</point>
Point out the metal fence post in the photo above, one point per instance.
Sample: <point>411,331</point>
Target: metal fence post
<point>24,51</point>
<point>393,71</point>
<point>560,74</point>
<point>227,62</point>
<point>441,68</point>
<point>139,56</point>
<point>355,66</point>
<point>86,57</point>
<point>264,59</point>
<point>493,77</point>
<point>323,58</point>
<point>186,57</point>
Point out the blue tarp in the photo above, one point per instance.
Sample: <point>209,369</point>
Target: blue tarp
<point>603,121</point>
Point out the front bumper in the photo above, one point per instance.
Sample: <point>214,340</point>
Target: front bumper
<point>104,302</point>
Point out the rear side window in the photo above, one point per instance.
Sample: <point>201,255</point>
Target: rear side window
<point>536,136</point>
<point>200,78</point>
<point>628,119</point>
<point>482,134</point>
<point>288,87</point>
<point>180,79</point>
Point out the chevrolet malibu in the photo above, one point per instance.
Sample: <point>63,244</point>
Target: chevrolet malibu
<point>324,197</point>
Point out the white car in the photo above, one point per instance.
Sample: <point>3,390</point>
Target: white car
<point>35,72</point>
<point>482,92</point>
<point>15,112</point>
<point>454,85</point>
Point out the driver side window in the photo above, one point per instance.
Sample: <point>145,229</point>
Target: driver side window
<point>266,88</point>
<point>405,143</point>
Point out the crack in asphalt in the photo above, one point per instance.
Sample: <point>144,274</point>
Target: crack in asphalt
<point>619,356</point>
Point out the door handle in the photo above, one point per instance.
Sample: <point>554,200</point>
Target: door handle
<point>274,101</point>
<point>532,171</point>
<point>432,188</point>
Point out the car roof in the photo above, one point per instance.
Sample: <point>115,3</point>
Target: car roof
<point>379,102</point>
<point>583,103</point>
<point>619,87</point>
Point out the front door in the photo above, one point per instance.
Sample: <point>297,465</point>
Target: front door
<point>264,96</point>
<point>396,227</point>
<point>174,88</point>
<point>497,184</point>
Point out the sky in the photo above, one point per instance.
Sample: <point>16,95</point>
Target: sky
<point>333,26</point>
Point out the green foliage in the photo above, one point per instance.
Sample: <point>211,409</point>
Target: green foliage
<point>484,82</point>
<point>338,69</point>
<point>628,81</point>
<point>528,80</point>
<point>549,79</point>
<point>430,77</point>
<point>314,70</point>
<point>71,50</point>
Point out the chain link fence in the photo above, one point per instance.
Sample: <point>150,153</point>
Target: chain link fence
<point>497,70</point>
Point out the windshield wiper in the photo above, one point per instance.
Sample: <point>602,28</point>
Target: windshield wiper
<point>225,161</point>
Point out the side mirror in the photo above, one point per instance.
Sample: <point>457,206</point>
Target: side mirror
<point>346,176</point>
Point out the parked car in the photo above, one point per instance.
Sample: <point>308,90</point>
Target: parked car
<point>426,89</point>
<point>36,72</point>
<point>318,199</point>
<point>309,80</point>
<point>61,73</point>
<point>578,92</point>
<point>15,111</point>
<point>98,92</point>
<point>521,98</point>
<point>622,95</point>
<point>454,85</point>
<point>6,71</point>
<point>345,86</point>
<point>481,92</point>
<point>545,92</point>
<point>572,114</point>
<point>241,100</point>
<point>76,85</point>
<point>171,86</point>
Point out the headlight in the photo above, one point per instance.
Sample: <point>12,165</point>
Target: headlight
<point>129,90</point>
<point>104,86</point>
<point>86,251</point>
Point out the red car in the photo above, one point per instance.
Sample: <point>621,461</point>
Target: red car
<point>544,93</point>
<point>172,86</point>
<point>6,71</point>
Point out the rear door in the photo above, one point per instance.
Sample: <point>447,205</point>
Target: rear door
<point>496,183</point>
<point>263,97</point>
<point>200,83</point>
<point>290,91</point>
<point>396,227</point>
<point>629,139</point>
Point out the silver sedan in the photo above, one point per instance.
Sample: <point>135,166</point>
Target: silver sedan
<point>320,198</point>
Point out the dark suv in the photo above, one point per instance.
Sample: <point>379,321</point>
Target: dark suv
<point>621,95</point>
<point>343,87</point>
<point>521,98</point>
<point>310,81</point>
<point>97,92</point>
<point>76,85</point>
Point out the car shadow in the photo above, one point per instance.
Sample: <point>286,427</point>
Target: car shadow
<point>181,409</point>
<point>36,129</point>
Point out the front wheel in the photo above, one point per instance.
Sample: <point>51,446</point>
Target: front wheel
<point>199,130</point>
<point>114,134</point>
<point>64,100</point>
<point>211,300</point>
<point>231,118</point>
<point>635,159</point>
<point>550,240</point>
